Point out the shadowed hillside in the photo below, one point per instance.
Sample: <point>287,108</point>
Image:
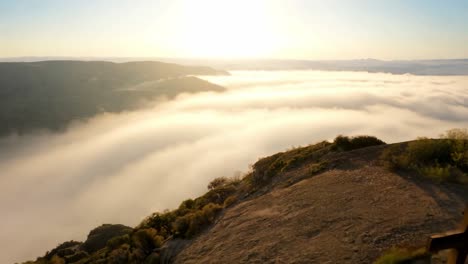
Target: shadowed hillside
<point>345,201</point>
<point>50,94</point>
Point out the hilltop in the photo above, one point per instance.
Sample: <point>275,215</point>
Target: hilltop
<point>51,94</point>
<point>346,201</point>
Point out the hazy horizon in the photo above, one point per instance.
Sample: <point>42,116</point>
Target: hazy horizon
<point>119,59</point>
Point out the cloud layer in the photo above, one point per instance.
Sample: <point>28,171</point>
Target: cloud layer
<point>120,168</point>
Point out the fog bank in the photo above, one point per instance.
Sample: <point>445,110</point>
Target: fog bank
<point>120,168</point>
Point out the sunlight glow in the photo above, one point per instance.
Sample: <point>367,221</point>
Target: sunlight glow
<point>227,29</point>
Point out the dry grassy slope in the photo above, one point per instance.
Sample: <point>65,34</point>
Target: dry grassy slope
<point>349,214</point>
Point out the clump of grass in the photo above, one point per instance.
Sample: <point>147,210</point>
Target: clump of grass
<point>403,255</point>
<point>317,167</point>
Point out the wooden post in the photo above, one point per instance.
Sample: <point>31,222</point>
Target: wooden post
<point>457,241</point>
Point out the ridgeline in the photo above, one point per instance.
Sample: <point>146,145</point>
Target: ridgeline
<point>353,200</point>
<point>51,94</point>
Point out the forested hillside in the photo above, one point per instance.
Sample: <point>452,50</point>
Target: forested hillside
<point>51,94</point>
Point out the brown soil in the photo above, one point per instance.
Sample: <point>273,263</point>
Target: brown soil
<point>351,213</point>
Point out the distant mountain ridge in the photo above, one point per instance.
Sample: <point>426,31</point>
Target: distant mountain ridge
<point>50,94</point>
<point>415,67</point>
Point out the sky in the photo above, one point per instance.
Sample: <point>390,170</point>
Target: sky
<point>120,168</point>
<point>293,29</point>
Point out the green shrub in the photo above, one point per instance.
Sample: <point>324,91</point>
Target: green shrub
<point>216,196</point>
<point>210,211</point>
<point>116,242</point>
<point>317,167</point>
<point>436,172</point>
<point>344,143</point>
<point>395,158</point>
<point>438,159</point>
<point>191,224</point>
<point>161,222</point>
<point>61,248</point>
<point>147,239</point>
<point>428,151</point>
<point>217,183</point>
<point>230,201</point>
<point>456,133</point>
<point>187,204</point>
<point>181,225</point>
<point>459,154</point>
<point>120,255</point>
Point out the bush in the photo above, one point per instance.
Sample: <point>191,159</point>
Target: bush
<point>120,255</point>
<point>216,196</point>
<point>230,201</point>
<point>436,172</point>
<point>116,242</point>
<point>210,211</point>
<point>61,248</point>
<point>428,151</point>
<point>217,182</point>
<point>191,224</point>
<point>344,143</point>
<point>456,133</point>
<point>395,157</point>
<point>147,240</point>
<point>317,168</point>
<point>161,222</point>
<point>438,159</point>
<point>187,204</point>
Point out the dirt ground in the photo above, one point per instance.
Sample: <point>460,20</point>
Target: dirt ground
<point>351,213</point>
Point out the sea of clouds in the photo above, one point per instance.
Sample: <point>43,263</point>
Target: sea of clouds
<point>119,168</point>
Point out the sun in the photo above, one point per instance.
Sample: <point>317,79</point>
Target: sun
<point>226,29</point>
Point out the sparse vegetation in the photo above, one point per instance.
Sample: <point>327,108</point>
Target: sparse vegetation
<point>444,159</point>
<point>223,181</point>
<point>142,244</point>
<point>403,255</point>
<point>119,244</point>
<point>265,169</point>
<point>317,167</point>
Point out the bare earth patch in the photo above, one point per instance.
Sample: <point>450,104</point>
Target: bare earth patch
<point>349,214</point>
